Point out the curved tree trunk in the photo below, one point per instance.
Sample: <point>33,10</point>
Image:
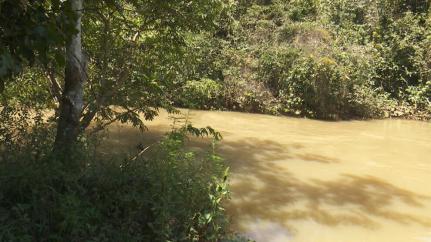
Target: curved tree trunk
<point>72,102</point>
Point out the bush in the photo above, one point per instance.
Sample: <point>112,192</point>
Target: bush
<point>172,196</point>
<point>404,55</point>
<point>303,33</point>
<point>203,94</point>
<point>420,96</point>
<point>300,10</point>
<point>274,63</point>
<point>315,87</point>
<point>345,13</point>
<point>330,88</point>
<point>256,99</point>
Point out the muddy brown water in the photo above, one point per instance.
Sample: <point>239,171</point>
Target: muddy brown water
<point>303,180</point>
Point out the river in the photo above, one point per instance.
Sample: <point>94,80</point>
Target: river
<point>300,180</point>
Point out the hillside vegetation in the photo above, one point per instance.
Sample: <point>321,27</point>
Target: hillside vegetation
<point>316,58</point>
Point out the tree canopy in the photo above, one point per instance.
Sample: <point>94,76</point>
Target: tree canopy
<point>132,52</point>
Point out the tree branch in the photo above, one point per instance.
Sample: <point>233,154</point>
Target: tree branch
<point>56,89</point>
<point>103,126</point>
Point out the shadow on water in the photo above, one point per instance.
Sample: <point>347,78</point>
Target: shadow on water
<point>125,140</point>
<point>264,191</point>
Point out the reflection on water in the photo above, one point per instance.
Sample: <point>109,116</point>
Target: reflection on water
<point>311,181</point>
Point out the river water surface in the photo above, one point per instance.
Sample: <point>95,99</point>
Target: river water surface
<point>303,180</point>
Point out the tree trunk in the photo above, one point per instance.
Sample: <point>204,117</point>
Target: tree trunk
<point>71,104</point>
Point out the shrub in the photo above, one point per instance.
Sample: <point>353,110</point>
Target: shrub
<point>204,94</point>
<point>302,10</point>
<point>314,87</point>
<point>330,88</point>
<point>257,100</point>
<point>367,101</point>
<point>404,56</point>
<point>174,195</point>
<point>420,96</point>
<point>273,64</point>
<point>302,33</point>
<point>346,13</point>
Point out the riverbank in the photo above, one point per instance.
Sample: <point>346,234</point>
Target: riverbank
<point>394,112</point>
<point>331,60</point>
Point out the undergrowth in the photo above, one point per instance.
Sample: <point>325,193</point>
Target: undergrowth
<point>171,195</point>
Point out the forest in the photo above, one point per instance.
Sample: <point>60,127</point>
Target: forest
<point>70,69</point>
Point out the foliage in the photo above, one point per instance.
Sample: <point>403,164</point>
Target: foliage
<point>138,54</point>
<point>172,195</point>
<point>322,59</point>
<point>134,51</point>
<point>273,64</point>
<point>326,59</point>
<point>141,62</point>
<point>32,32</point>
<point>202,94</point>
<point>404,54</point>
<point>302,10</point>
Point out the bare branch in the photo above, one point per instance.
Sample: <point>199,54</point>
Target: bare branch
<point>56,89</point>
<point>142,152</point>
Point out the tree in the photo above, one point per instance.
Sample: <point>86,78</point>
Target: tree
<point>133,49</point>
<point>32,33</point>
<point>72,99</point>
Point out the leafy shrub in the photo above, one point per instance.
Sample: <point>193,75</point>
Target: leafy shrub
<point>330,89</point>
<point>404,55</point>
<point>248,96</point>
<point>205,94</point>
<point>273,63</point>
<point>302,10</point>
<point>303,32</point>
<point>367,101</point>
<point>315,87</point>
<point>346,13</point>
<point>257,101</point>
<point>174,195</point>
<point>420,96</point>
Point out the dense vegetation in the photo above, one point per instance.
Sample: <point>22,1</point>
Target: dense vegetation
<point>68,69</point>
<point>170,195</point>
<point>322,59</point>
<point>67,64</point>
